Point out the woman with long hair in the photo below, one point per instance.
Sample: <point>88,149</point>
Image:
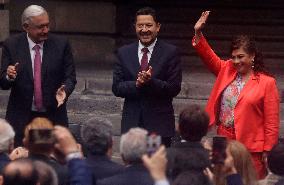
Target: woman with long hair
<point>242,162</point>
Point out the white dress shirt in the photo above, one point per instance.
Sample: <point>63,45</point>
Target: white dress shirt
<point>162,182</point>
<point>150,48</point>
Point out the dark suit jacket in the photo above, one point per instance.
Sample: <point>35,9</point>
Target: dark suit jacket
<point>186,156</point>
<point>61,170</point>
<point>79,173</point>
<point>102,167</point>
<point>133,175</point>
<point>234,179</point>
<point>57,69</point>
<point>4,160</point>
<point>151,103</point>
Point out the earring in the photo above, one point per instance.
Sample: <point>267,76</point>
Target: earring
<point>252,61</point>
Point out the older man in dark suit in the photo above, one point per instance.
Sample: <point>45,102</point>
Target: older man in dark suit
<point>6,143</point>
<point>97,139</point>
<point>148,75</point>
<point>39,69</point>
<point>133,146</point>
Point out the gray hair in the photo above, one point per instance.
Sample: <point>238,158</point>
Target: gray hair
<point>97,135</point>
<point>32,11</point>
<point>7,135</point>
<point>47,175</point>
<point>133,145</point>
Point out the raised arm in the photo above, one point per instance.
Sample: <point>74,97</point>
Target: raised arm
<point>203,49</point>
<point>199,25</point>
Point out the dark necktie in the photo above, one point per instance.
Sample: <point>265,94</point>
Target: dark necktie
<point>37,79</point>
<point>144,60</point>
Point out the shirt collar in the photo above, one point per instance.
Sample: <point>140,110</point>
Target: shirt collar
<point>150,48</point>
<point>32,43</point>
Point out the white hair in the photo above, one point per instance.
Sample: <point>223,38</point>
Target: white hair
<point>133,145</point>
<point>7,135</point>
<point>32,11</point>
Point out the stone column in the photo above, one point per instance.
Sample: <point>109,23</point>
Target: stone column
<point>4,23</point>
<point>89,25</point>
<point>4,26</point>
<point>4,34</point>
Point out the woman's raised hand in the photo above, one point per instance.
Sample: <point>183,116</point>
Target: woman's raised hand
<point>199,25</point>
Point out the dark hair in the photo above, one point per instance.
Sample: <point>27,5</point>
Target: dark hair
<point>17,177</point>
<point>192,178</point>
<point>147,11</point>
<point>189,158</point>
<point>193,123</point>
<point>275,159</point>
<point>249,45</point>
<point>97,136</point>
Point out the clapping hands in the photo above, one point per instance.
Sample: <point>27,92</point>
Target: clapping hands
<point>144,77</point>
<point>60,95</point>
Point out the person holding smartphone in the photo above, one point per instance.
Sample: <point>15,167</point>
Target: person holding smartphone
<point>244,102</point>
<point>232,163</point>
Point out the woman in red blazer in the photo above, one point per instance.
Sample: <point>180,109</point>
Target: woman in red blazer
<point>244,102</point>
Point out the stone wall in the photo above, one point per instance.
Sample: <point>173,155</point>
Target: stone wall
<point>4,24</point>
<point>89,25</point>
<point>96,28</point>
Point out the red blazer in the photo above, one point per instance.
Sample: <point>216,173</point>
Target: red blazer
<point>257,109</point>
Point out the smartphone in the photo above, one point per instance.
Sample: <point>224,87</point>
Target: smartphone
<point>41,136</point>
<point>219,149</point>
<point>153,143</point>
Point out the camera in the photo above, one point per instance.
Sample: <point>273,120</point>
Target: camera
<point>41,136</point>
<point>153,143</point>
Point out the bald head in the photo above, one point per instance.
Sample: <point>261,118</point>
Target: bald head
<point>20,172</point>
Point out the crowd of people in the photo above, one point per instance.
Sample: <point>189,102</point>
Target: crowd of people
<point>57,158</point>
<point>37,148</point>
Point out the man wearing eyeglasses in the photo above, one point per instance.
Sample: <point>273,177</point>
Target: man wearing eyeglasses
<point>38,67</point>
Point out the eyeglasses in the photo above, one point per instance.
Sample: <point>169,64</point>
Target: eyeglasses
<point>41,26</point>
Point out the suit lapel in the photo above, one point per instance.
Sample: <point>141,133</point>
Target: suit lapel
<point>47,53</point>
<point>25,56</point>
<point>155,57</point>
<point>134,60</point>
<point>227,81</point>
<point>248,86</point>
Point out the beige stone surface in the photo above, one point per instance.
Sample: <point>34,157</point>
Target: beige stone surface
<point>4,24</point>
<point>87,17</point>
<point>75,16</point>
<point>0,54</point>
<point>91,49</point>
<point>4,1</point>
